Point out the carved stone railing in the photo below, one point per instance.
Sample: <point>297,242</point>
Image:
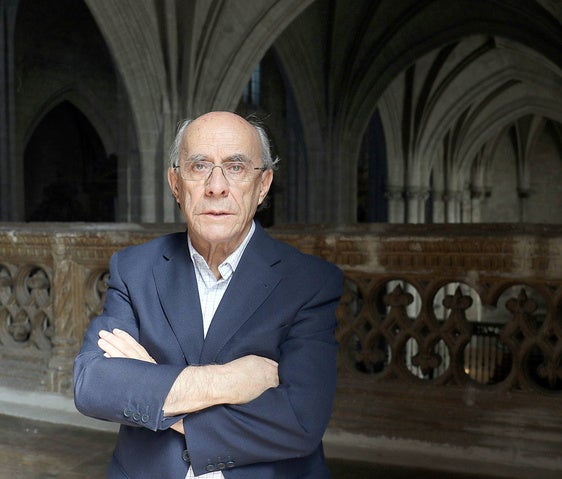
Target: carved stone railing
<point>449,334</point>
<point>52,282</point>
<point>450,344</point>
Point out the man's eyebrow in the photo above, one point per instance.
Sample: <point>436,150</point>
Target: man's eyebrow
<point>237,157</point>
<point>193,157</point>
<point>196,157</point>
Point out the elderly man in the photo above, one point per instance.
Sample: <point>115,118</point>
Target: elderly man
<point>215,351</point>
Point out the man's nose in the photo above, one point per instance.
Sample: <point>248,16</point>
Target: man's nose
<point>216,184</point>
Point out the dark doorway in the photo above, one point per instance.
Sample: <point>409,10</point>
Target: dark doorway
<point>68,175</point>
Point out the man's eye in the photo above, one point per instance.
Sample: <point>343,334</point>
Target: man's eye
<point>236,167</point>
<point>199,166</point>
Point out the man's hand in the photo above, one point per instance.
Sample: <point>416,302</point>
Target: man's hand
<point>120,344</point>
<point>249,377</point>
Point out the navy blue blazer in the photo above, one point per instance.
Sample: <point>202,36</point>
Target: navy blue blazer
<point>280,304</point>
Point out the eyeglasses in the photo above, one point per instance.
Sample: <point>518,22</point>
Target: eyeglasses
<point>233,171</point>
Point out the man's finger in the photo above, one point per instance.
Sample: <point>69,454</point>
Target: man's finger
<point>109,349</point>
<point>119,343</point>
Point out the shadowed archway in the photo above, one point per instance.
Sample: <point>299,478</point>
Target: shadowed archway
<point>68,175</point>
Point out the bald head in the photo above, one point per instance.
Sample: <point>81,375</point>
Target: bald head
<point>224,119</point>
<point>218,128</point>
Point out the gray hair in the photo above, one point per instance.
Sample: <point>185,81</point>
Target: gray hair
<point>267,161</point>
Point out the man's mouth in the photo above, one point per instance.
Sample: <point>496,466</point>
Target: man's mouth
<point>216,213</point>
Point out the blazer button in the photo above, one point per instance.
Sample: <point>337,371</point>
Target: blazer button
<point>229,464</point>
<point>144,418</point>
<point>221,466</point>
<point>185,456</point>
<point>127,412</point>
<point>136,416</point>
<point>210,468</point>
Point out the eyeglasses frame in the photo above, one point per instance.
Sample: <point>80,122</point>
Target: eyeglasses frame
<point>177,168</point>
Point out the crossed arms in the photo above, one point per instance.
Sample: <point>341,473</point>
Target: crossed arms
<point>200,387</point>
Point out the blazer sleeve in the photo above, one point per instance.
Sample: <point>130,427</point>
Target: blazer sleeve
<point>290,420</point>
<point>126,391</point>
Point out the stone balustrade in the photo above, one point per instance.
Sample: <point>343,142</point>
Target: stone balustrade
<point>450,335</point>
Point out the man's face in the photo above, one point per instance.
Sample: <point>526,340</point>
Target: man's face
<point>219,212</point>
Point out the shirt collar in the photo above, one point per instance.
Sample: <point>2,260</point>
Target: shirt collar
<point>228,266</point>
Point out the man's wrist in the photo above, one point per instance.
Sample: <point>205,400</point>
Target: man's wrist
<point>197,388</point>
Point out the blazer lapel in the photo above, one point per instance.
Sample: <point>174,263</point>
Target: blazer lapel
<point>252,282</point>
<point>177,289</point>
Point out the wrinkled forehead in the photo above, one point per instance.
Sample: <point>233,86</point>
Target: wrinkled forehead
<point>221,136</point>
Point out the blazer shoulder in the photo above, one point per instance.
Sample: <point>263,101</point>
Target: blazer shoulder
<point>165,245</point>
<point>297,261</point>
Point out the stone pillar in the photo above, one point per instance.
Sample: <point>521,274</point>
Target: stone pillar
<point>438,207</point>
<point>523,195</point>
<point>395,204</point>
<point>453,206</point>
<point>465,206</point>
<point>476,198</point>
<point>416,198</point>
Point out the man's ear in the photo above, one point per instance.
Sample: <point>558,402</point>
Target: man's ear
<point>173,182</point>
<point>265,184</point>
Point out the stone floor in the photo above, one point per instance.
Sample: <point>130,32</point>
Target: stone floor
<point>32,449</point>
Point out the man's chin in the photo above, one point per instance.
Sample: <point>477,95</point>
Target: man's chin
<point>215,231</point>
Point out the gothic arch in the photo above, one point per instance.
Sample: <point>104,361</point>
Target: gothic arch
<point>87,105</point>
<point>536,30</point>
<point>468,109</point>
<point>181,59</point>
<point>502,118</point>
<point>258,36</point>
<point>521,24</point>
<point>492,100</point>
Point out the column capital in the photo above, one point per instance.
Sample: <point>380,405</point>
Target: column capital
<point>418,193</point>
<point>394,193</point>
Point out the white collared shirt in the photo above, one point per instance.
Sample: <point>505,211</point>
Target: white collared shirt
<point>211,291</point>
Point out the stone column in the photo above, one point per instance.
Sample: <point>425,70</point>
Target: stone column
<point>395,204</point>
<point>476,198</point>
<point>416,198</point>
<point>438,207</point>
<point>465,206</point>
<point>523,195</point>
<point>453,206</point>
